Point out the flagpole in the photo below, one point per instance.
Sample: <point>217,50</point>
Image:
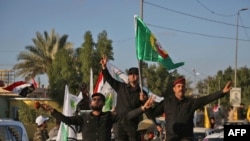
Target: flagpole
<point>91,86</point>
<point>140,61</point>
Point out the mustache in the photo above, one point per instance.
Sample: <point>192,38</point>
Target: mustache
<point>96,108</point>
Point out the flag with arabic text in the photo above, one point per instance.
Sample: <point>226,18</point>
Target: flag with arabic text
<point>149,49</point>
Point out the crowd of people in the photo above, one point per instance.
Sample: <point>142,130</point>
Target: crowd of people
<point>132,103</point>
<point>220,115</point>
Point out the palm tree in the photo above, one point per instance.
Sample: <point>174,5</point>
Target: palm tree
<point>38,58</point>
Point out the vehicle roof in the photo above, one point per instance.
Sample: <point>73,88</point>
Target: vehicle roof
<point>237,122</point>
<point>216,135</point>
<point>8,121</point>
<point>199,129</point>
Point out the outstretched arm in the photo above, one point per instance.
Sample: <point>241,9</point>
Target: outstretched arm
<point>136,112</point>
<point>199,102</point>
<point>69,120</point>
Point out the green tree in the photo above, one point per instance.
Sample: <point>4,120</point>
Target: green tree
<point>38,58</point>
<point>159,79</point>
<point>103,47</point>
<point>217,82</point>
<point>86,57</point>
<point>28,115</point>
<point>90,53</point>
<point>62,73</point>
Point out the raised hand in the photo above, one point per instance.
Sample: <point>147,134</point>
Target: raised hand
<point>104,61</point>
<point>149,103</point>
<point>142,97</point>
<point>47,107</point>
<point>228,87</point>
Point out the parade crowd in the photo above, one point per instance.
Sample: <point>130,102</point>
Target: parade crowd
<point>133,104</point>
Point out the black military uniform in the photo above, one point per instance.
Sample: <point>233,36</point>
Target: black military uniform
<point>93,127</point>
<point>180,114</point>
<point>127,100</point>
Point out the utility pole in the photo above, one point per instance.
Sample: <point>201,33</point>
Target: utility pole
<point>235,93</point>
<point>236,47</point>
<point>140,62</point>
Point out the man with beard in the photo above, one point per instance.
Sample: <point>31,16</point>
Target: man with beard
<point>179,110</point>
<point>96,125</point>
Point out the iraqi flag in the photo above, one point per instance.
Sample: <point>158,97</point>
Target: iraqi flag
<point>20,87</point>
<point>110,94</point>
<point>99,83</point>
<point>34,83</point>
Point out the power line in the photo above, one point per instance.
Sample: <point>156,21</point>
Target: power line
<point>244,28</point>
<point>200,34</point>
<point>215,12</point>
<point>175,11</point>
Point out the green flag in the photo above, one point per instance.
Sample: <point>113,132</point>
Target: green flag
<point>108,103</point>
<point>149,49</point>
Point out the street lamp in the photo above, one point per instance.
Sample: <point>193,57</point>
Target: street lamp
<point>236,48</point>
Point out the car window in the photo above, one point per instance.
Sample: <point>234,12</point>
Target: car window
<point>10,133</point>
<point>16,131</point>
<point>4,136</point>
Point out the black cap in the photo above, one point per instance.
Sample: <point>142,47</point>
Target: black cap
<point>133,70</point>
<point>100,95</point>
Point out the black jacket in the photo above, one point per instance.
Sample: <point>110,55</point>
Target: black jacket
<point>180,114</point>
<point>127,97</point>
<point>95,128</point>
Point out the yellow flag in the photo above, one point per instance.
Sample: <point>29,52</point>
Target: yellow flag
<point>206,118</point>
<point>235,113</point>
<point>248,113</point>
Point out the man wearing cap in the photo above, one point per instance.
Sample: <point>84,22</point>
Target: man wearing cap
<point>41,133</point>
<point>179,110</point>
<point>96,125</point>
<point>129,97</point>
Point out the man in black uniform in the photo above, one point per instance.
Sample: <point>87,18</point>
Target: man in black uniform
<point>129,97</point>
<point>96,125</point>
<point>179,110</point>
<point>242,112</point>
